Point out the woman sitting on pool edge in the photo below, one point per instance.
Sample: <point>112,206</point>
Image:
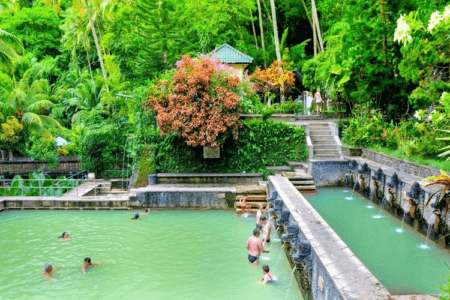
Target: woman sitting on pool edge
<point>87,264</point>
<point>64,236</point>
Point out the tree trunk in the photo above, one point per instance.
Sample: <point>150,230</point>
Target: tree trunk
<point>316,22</point>
<point>262,31</point>
<point>275,30</point>
<point>383,18</point>
<point>94,34</point>
<point>89,64</point>
<point>307,14</point>
<point>267,11</point>
<point>254,30</point>
<point>314,35</point>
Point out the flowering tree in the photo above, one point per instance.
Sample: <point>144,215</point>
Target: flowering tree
<point>274,78</point>
<point>200,102</point>
<point>426,55</point>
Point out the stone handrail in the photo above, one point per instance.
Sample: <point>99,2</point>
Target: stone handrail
<point>335,133</point>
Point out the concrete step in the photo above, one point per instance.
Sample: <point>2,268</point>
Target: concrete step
<point>300,178</point>
<point>302,182</point>
<point>295,164</point>
<point>321,136</point>
<point>319,131</point>
<point>305,187</point>
<point>253,197</point>
<point>325,157</point>
<point>250,189</point>
<point>326,152</point>
<point>324,147</point>
<point>278,168</point>
<point>253,204</point>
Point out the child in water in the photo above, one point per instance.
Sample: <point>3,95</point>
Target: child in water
<point>87,264</point>
<point>267,275</point>
<point>64,236</point>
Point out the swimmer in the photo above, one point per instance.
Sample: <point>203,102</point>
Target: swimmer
<point>258,216</point>
<point>64,236</point>
<point>255,247</point>
<point>266,228</point>
<point>136,216</point>
<point>48,272</point>
<point>146,212</point>
<point>87,264</point>
<point>267,275</point>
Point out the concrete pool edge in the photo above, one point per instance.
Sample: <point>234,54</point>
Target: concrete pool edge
<point>336,271</point>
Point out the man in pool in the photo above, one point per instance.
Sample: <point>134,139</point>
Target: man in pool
<point>87,264</point>
<point>266,228</point>
<point>136,216</point>
<point>48,272</point>
<point>64,236</point>
<point>255,247</point>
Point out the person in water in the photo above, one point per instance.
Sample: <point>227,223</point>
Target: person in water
<point>267,275</point>
<point>87,264</point>
<point>243,203</point>
<point>147,211</point>
<point>136,216</point>
<point>255,247</point>
<point>64,236</point>
<point>258,216</point>
<point>266,228</point>
<point>48,272</point>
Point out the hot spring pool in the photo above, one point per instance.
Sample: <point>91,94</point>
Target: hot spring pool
<point>394,258</point>
<point>165,255</point>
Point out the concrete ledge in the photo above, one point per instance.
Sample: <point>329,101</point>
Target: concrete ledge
<point>336,272</point>
<point>217,178</point>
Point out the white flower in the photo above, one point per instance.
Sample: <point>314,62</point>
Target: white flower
<point>403,31</point>
<point>446,14</point>
<point>416,114</point>
<point>435,19</point>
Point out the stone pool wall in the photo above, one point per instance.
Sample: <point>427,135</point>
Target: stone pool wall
<point>328,172</point>
<point>219,198</point>
<point>328,268</point>
<point>55,203</point>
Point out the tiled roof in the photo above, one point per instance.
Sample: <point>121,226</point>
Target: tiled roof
<point>229,55</point>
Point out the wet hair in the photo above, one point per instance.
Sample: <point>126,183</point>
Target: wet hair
<point>62,235</point>
<point>263,219</point>
<point>256,231</point>
<point>87,259</point>
<point>136,215</point>
<point>265,268</point>
<point>146,210</point>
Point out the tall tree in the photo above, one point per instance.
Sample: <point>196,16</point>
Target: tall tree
<point>261,28</point>
<point>275,30</point>
<point>10,49</point>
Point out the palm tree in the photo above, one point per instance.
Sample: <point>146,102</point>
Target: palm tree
<point>30,102</point>
<point>275,30</point>
<point>10,49</point>
<point>261,28</point>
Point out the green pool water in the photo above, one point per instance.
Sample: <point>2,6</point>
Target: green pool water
<point>165,255</point>
<point>392,257</point>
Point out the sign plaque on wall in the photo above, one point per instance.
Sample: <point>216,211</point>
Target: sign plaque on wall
<point>209,152</point>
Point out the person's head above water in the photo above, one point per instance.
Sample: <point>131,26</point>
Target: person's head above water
<point>136,215</point>
<point>64,235</point>
<point>48,267</point>
<point>88,260</point>
<point>263,219</point>
<point>265,268</point>
<point>256,232</point>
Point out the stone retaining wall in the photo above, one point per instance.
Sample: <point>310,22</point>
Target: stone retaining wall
<point>393,162</point>
<point>26,166</point>
<point>217,178</point>
<point>56,203</point>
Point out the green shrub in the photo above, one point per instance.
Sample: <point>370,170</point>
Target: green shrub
<point>260,144</point>
<point>145,166</point>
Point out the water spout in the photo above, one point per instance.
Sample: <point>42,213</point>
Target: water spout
<point>353,191</point>
<point>290,284</point>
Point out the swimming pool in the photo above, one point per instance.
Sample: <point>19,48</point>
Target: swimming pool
<point>164,255</point>
<point>394,258</point>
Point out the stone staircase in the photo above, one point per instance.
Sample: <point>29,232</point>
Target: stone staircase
<point>256,195</point>
<point>301,180</point>
<point>323,141</point>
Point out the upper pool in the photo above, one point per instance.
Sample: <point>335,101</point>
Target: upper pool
<point>165,255</point>
<point>394,258</point>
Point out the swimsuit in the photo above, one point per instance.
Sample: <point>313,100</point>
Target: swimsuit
<point>252,258</point>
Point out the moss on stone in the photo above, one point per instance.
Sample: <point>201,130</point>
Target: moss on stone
<point>146,166</point>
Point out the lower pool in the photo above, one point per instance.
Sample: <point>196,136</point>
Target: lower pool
<point>394,258</point>
<point>164,255</point>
